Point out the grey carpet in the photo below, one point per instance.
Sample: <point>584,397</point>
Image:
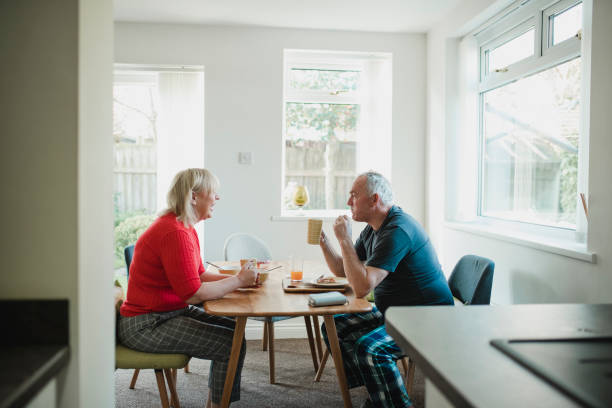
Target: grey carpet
<point>294,382</point>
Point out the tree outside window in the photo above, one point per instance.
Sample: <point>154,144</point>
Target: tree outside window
<point>336,124</point>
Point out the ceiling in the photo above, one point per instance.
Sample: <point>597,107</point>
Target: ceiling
<point>352,15</point>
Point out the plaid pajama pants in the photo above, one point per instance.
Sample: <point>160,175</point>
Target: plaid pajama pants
<point>369,355</point>
<point>188,331</point>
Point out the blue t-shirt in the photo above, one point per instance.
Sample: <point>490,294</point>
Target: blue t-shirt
<point>401,247</point>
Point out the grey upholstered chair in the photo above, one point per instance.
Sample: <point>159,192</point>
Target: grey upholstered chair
<point>472,280</point>
<point>241,245</point>
<point>470,283</point>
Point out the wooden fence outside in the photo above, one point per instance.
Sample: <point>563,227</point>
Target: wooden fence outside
<point>135,177</point>
<point>328,185</point>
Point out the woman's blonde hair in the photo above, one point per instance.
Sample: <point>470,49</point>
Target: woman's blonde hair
<point>183,185</point>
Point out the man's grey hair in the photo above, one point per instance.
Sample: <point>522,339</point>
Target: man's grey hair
<point>376,183</point>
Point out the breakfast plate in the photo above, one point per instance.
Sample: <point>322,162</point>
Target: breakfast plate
<point>329,282</point>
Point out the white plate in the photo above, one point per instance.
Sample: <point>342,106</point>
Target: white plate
<point>338,283</point>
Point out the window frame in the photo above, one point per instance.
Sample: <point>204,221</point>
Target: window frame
<point>534,13</point>
<point>311,96</point>
<point>490,45</point>
<point>547,34</point>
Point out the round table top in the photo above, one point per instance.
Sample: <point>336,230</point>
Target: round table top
<point>269,299</point>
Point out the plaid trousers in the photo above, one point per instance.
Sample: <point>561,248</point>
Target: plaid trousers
<point>188,331</point>
<point>369,355</point>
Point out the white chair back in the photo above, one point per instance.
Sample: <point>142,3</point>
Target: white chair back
<point>242,245</point>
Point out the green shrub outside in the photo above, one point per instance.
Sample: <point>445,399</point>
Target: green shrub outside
<point>127,233</point>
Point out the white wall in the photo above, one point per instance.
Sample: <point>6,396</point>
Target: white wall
<point>56,177</point>
<point>243,99</point>
<point>96,324</point>
<point>523,274</point>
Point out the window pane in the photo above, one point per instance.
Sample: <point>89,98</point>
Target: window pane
<point>531,139</point>
<point>320,146</point>
<point>341,190</point>
<point>324,80</point>
<point>135,136</point>
<point>321,121</point>
<point>512,51</point>
<point>566,24</point>
<point>135,113</point>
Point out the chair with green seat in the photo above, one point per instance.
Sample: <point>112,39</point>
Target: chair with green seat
<point>128,252</point>
<point>164,365</point>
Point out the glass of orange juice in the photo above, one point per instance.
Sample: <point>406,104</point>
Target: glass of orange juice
<point>297,269</point>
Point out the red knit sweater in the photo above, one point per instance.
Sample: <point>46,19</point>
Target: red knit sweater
<point>165,270</point>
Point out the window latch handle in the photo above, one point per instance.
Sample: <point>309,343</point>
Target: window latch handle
<point>579,34</point>
<point>501,70</point>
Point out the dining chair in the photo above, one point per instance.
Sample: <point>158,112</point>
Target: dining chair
<point>164,365</point>
<point>128,253</point>
<point>242,245</point>
<point>470,283</point>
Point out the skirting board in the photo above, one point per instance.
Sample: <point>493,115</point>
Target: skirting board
<point>286,329</point>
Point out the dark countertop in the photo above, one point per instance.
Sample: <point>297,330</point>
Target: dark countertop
<point>451,346</point>
<point>27,369</point>
<point>34,347</point>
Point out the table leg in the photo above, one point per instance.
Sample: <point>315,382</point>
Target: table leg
<point>270,331</point>
<point>233,361</point>
<point>332,336</point>
<point>319,341</point>
<point>264,343</point>
<point>313,352</point>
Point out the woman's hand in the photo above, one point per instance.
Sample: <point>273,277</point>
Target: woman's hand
<point>247,275</point>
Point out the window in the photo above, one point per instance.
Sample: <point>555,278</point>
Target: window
<point>529,90</point>
<point>158,129</point>
<point>135,129</point>
<point>329,101</point>
<point>510,52</point>
<point>565,24</point>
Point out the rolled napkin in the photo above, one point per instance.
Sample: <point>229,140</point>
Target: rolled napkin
<point>327,299</point>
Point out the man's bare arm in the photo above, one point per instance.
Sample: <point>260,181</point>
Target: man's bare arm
<point>363,278</point>
<point>334,261</point>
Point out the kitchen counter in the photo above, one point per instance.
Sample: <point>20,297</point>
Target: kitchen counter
<point>451,345</point>
<point>34,348</point>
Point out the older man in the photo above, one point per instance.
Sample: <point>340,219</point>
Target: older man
<point>394,257</point>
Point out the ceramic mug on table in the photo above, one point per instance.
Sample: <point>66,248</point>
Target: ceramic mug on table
<point>244,261</point>
<point>262,275</point>
<point>314,231</point>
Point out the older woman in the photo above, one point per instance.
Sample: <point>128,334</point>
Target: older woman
<point>167,278</point>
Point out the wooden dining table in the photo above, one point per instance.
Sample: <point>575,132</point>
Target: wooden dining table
<point>269,299</point>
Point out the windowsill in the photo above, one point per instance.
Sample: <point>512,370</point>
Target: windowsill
<point>571,249</point>
<point>322,215</point>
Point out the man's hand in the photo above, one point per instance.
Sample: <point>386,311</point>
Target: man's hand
<point>323,238</point>
<point>342,228</point>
